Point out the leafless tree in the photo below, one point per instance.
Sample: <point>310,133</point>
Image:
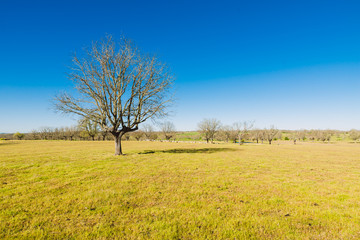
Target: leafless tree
<point>295,135</point>
<point>271,133</point>
<point>302,134</point>
<point>70,132</point>
<point>90,126</point>
<point>138,135</point>
<point>45,133</point>
<point>58,134</point>
<point>119,88</point>
<point>127,137</point>
<point>354,135</point>
<point>257,135</point>
<point>228,133</point>
<point>208,128</point>
<point>149,132</point>
<point>168,129</point>
<point>103,135</point>
<point>242,129</point>
<point>321,135</point>
<point>33,135</point>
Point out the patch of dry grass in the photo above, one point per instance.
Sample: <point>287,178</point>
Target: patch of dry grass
<point>57,189</point>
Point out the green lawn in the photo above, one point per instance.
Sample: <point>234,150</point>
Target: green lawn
<point>79,190</point>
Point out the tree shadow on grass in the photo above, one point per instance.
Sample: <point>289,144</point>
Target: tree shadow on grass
<point>3,143</point>
<point>190,150</point>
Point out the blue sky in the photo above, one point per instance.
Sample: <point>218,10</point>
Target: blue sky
<point>292,64</point>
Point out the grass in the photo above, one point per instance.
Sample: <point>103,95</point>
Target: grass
<point>79,190</point>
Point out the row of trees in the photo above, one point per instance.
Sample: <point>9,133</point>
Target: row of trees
<point>212,129</point>
<point>209,130</point>
<point>238,132</point>
<point>89,130</point>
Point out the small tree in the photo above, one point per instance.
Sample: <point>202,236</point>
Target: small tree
<point>103,135</point>
<point>33,135</point>
<point>90,126</point>
<point>208,128</point>
<point>70,132</point>
<point>227,133</point>
<point>149,132</point>
<point>324,135</point>
<point>83,135</point>
<point>168,129</point>
<point>119,88</point>
<point>138,135</point>
<point>257,135</point>
<point>354,135</point>
<point>18,135</point>
<point>242,129</point>
<point>271,133</point>
<point>127,137</point>
<point>296,135</point>
<point>45,133</point>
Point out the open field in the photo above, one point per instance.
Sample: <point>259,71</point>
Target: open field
<point>64,189</point>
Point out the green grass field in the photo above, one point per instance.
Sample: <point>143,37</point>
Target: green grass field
<point>79,190</point>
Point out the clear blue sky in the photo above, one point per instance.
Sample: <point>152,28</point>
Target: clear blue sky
<point>293,64</point>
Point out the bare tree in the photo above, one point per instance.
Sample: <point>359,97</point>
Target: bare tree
<point>168,129</point>
<point>127,137</point>
<point>242,129</point>
<point>45,133</point>
<point>149,132</point>
<point>70,132</point>
<point>271,133</point>
<point>59,134</point>
<point>119,88</point>
<point>227,133</point>
<point>90,126</point>
<point>295,136</point>
<point>138,135</point>
<point>354,135</point>
<point>208,128</point>
<point>33,135</point>
<point>322,135</point>
<point>257,135</point>
<point>103,135</point>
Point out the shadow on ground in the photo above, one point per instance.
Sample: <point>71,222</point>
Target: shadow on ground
<point>7,143</point>
<point>190,150</point>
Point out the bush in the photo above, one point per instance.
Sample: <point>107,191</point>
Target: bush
<point>19,136</point>
<point>286,138</point>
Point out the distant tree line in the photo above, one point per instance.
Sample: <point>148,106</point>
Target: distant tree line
<point>240,132</point>
<point>209,130</point>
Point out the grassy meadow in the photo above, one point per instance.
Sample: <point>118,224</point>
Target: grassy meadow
<point>161,190</point>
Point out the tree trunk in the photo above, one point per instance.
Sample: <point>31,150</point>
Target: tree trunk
<point>270,141</point>
<point>240,142</point>
<point>118,150</point>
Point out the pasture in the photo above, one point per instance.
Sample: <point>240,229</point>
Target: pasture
<point>160,190</point>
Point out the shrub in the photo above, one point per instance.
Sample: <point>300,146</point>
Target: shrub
<point>19,136</point>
